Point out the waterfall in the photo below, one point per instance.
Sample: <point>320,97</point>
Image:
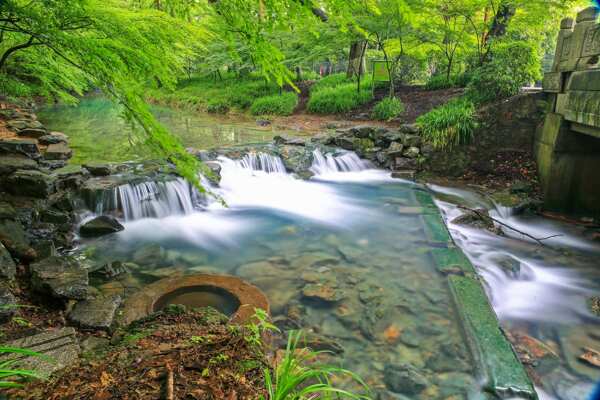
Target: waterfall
<point>346,162</point>
<point>262,162</point>
<point>151,199</point>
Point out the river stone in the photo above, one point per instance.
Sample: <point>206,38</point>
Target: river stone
<point>98,169</point>
<point>404,163</point>
<point>99,226</point>
<point>8,268</point>
<point>412,152</point>
<point>97,313</point>
<point>12,236</point>
<point>20,124</point>
<point>405,379</point>
<point>9,163</point>
<point>53,138</point>
<point>395,150</point>
<point>289,140</point>
<point>33,132</point>
<point>412,141</point>
<point>8,303</point>
<point>412,129</point>
<point>58,151</point>
<point>324,292</point>
<point>60,277</point>
<point>31,183</point>
<point>59,346</point>
<point>27,147</point>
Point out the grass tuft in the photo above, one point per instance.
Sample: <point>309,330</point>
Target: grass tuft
<point>283,104</point>
<point>388,109</point>
<point>449,125</point>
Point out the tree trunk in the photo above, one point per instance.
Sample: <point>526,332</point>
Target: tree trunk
<point>356,59</point>
<point>501,20</point>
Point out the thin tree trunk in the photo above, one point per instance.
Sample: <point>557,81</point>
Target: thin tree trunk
<point>11,50</point>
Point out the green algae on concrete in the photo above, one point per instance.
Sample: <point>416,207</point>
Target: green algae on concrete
<point>452,261</point>
<point>435,230</point>
<point>504,374</point>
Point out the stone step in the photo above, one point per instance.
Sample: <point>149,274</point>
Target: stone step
<point>60,349</point>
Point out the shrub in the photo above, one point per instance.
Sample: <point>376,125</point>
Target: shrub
<point>512,66</point>
<point>283,104</point>
<point>388,108</point>
<point>217,106</point>
<point>330,81</point>
<point>338,99</point>
<point>450,124</point>
<point>437,82</point>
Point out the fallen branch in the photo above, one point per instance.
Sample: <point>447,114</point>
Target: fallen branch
<point>170,382</point>
<point>540,241</point>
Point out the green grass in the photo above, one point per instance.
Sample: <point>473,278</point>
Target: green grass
<point>298,377</point>
<point>216,96</point>
<point>9,376</point>
<point>283,104</point>
<point>388,109</point>
<point>338,99</point>
<point>449,125</point>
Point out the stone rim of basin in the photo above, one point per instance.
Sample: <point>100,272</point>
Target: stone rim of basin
<point>249,296</point>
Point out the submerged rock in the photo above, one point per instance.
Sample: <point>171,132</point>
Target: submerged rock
<point>99,226</point>
<point>322,292</point>
<point>405,379</point>
<point>97,313</point>
<point>60,277</point>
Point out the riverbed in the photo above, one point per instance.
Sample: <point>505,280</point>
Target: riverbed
<point>343,255</point>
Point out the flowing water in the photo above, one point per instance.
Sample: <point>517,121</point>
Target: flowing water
<point>344,257</point>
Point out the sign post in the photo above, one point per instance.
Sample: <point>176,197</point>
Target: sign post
<point>380,73</point>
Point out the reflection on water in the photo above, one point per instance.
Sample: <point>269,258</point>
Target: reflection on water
<point>96,133</point>
<point>537,290</point>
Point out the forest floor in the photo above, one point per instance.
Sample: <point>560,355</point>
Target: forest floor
<point>174,354</point>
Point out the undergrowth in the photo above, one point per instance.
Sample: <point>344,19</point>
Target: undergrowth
<point>449,125</point>
<point>388,109</point>
<point>336,94</point>
<point>279,104</point>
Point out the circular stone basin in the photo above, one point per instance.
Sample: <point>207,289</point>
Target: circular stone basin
<point>230,295</point>
<point>201,296</point>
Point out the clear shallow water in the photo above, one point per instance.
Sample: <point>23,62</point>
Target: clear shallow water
<point>96,133</point>
<point>347,236</point>
<point>537,290</point>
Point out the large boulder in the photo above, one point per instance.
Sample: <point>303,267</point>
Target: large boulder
<point>97,313</point>
<point>31,183</point>
<point>60,277</point>
<point>8,268</point>
<point>99,226</point>
<point>13,237</point>
<point>9,163</point>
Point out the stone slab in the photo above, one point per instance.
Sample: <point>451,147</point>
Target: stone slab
<point>553,82</point>
<point>501,370</point>
<point>60,348</point>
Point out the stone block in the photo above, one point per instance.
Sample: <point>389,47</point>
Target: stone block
<point>500,369</point>
<point>58,151</point>
<point>26,147</point>
<point>31,183</point>
<point>59,349</point>
<point>60,277</point>
<point>97,313</point>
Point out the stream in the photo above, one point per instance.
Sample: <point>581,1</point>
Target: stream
<point>342,256</point>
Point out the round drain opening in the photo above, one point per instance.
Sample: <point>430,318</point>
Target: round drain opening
<point>200,296</point>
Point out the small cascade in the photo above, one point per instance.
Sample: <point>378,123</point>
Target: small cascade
<point>151,199</point>
<point>346,162</point>
<point>262,162</point>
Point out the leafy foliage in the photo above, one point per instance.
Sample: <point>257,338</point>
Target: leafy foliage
<point>8,374</point>
<point>283,104</point>
<point>450,124</point>
<point>388,108</point>
<point>513,65</point>
<point>298,377</point>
